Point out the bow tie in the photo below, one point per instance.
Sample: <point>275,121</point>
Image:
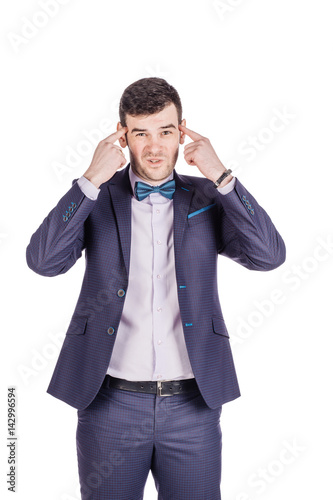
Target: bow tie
<point>142,190</point>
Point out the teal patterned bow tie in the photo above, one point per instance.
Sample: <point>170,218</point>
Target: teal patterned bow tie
<point>142,190</point>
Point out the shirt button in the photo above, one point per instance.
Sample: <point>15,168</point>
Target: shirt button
<point>159,242</point>
<point>158,211</point>
<point>159,309</point>
<point>158,276</point>
<point>111,330</point>
<point>121,293</point>
<point>159,376</point>
<point>159,342</point>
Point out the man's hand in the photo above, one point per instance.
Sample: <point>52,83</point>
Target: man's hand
<point>200,152</point>
<point>107,159</point>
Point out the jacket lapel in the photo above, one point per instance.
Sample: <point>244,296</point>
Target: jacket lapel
<point>121,198</point>
<point>181,204</point>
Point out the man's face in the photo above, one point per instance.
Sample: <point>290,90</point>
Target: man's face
<point>153,143</point>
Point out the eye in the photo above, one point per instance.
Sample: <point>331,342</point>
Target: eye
<point>166,132</point>
<point>140,134</point>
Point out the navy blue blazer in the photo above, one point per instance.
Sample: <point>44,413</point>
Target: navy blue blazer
<point>206,224</point>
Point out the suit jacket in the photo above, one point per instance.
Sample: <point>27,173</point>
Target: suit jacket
<point>206,224</point>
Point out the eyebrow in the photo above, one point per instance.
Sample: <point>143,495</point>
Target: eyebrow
<point>171,125</point>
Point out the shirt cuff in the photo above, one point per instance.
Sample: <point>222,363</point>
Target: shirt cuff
<point>88,188</point>
<point>228,187</point>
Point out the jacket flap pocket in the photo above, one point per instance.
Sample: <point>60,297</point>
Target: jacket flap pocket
<point>77,325</point>
<point>219,326</point>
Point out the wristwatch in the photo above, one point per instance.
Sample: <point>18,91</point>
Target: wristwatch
<point>223,176</point>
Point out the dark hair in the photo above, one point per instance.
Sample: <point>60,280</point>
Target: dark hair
<point>148,96</point>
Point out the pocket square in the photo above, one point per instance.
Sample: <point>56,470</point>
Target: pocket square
<point>201,210</point>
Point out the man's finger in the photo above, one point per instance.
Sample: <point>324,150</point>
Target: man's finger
<point>193,135</point>
<point>116,135</point>
<point>191,146</point>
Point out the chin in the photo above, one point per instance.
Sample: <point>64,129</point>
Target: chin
<point>157,173</point>
<point>160,173</point>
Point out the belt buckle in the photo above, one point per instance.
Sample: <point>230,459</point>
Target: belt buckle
<point>159,389</point>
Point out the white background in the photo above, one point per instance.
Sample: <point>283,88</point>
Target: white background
<point>236,65</point>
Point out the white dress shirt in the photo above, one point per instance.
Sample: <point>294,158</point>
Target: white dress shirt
<point>150,343</point>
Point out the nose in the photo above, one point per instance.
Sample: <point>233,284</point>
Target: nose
<point>154,146</point>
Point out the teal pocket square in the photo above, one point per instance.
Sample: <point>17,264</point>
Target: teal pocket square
<point>201,210</point>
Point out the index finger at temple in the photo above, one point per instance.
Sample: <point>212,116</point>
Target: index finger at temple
<point>116,135</point>
<point>193,135</point>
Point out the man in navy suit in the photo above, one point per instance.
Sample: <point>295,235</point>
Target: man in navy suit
<point>146,360</point>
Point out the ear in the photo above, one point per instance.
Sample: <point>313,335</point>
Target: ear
<point>182,134</point>
<point>123,139</point>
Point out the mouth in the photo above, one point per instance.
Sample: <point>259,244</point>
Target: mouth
<point>155,161</point>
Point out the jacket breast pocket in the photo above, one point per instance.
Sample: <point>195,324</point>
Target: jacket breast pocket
<point>200,216</point>
<point>219,326</point>
<point>77,325</point>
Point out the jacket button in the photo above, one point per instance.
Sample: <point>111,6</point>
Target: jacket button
<point>111,330</point>
<point>121,293</point>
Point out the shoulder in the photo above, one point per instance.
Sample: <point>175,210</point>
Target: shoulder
<point>202,185</point>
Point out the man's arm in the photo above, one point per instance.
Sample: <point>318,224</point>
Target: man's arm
<point>58,242</point>
<point>247,235</point>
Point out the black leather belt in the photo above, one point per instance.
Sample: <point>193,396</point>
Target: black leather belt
<point>160,388</point>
